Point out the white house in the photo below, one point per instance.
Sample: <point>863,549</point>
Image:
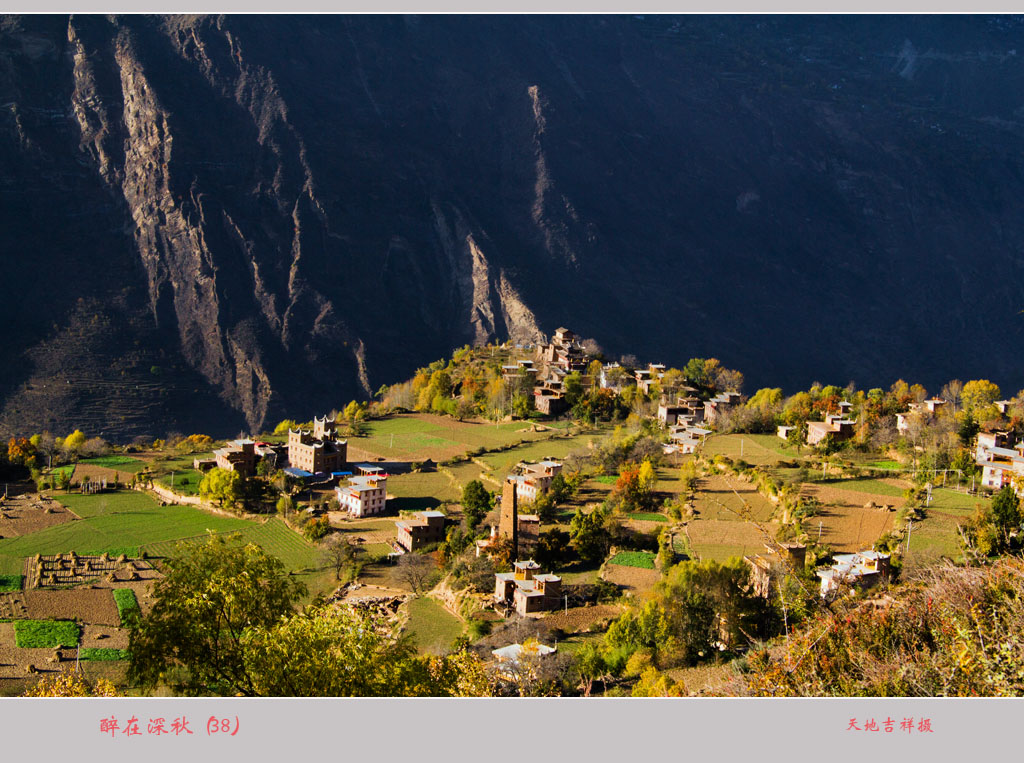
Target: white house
<point>364,495</point>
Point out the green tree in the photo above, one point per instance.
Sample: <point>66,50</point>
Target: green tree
<point>285,505</point>
<point>1006,511</point>
<point>967,428</point>
<point>210,596</point>
<point>572,385</point>
<point>590,664</point>
<point>221,485</point>
<point>553,548</point>
<point>590,539</point>
<point>476,502</point>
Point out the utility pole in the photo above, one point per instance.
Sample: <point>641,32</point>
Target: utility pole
<point>910,528</point>
<point>819,531</point>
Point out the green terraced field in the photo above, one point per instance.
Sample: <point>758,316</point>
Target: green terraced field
<point>115,521</point>
<point>274,537</point>
<point>752,448</point>
<point>421,436</point>
<point>432,627</point>
<point>118,463</point>
<point>642,559</point>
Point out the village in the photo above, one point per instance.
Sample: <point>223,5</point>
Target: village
<point>525,502</point>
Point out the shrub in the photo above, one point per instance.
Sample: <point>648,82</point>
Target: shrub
<point>127,604</point>
<point>45,634</point>
<point>317,529</point>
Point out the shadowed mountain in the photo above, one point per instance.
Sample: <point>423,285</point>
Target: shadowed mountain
<point>212,222</point>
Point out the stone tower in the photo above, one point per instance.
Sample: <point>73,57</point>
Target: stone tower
<point>508,519</point>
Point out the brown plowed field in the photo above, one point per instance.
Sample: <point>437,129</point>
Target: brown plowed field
<point>721,540</point>
<point>22,515</point>
<point>725,497</point>
<point>845,524</point>
<point>103,637</point>
<point>87,605</point>
<point>633,578</point>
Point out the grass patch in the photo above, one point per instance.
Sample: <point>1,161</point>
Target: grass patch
<point>103,655</point>
<point>885,465</point>
<point>45,634</point>
<point>761,449</point>
<point>117,463</point>
<point>11,565</point>
<point>642,559</point>
<point>67,469</point>
<point>606,479</point>
<point>864,485</point>
<point>646,516</point>
<point>951,501</point>
<point>183,481</point>
<point>127,604</point>
<point>432,627</point>
<point>10,583</point>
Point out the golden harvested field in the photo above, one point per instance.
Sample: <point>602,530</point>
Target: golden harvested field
<point>703,679</point>
<point>729,498</point>
<point>633,578</point>
<point>366,531</point>
<point>579,619</point>
<point>722,539</point>
<point>845,524</point>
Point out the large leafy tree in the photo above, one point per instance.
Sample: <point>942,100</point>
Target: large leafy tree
<point>224,623</point>
<point>325,652</point>
<point>210,596</point>
<point>476,502</point>
<point>221,485</point>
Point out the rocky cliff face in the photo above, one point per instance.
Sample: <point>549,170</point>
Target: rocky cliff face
<point>215,221</point>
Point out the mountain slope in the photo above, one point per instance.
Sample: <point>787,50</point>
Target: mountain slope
<point>281,213</point>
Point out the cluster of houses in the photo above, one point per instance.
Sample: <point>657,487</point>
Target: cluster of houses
<point>863,569</point>
<point>837,425</point>
<point>315,456</point>
<point>1000,459</point>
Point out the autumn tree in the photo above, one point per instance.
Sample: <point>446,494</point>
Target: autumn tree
<point>328,652</point>
<point>221,485</point>
<point>210,596</point>
<point>979,395</point>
